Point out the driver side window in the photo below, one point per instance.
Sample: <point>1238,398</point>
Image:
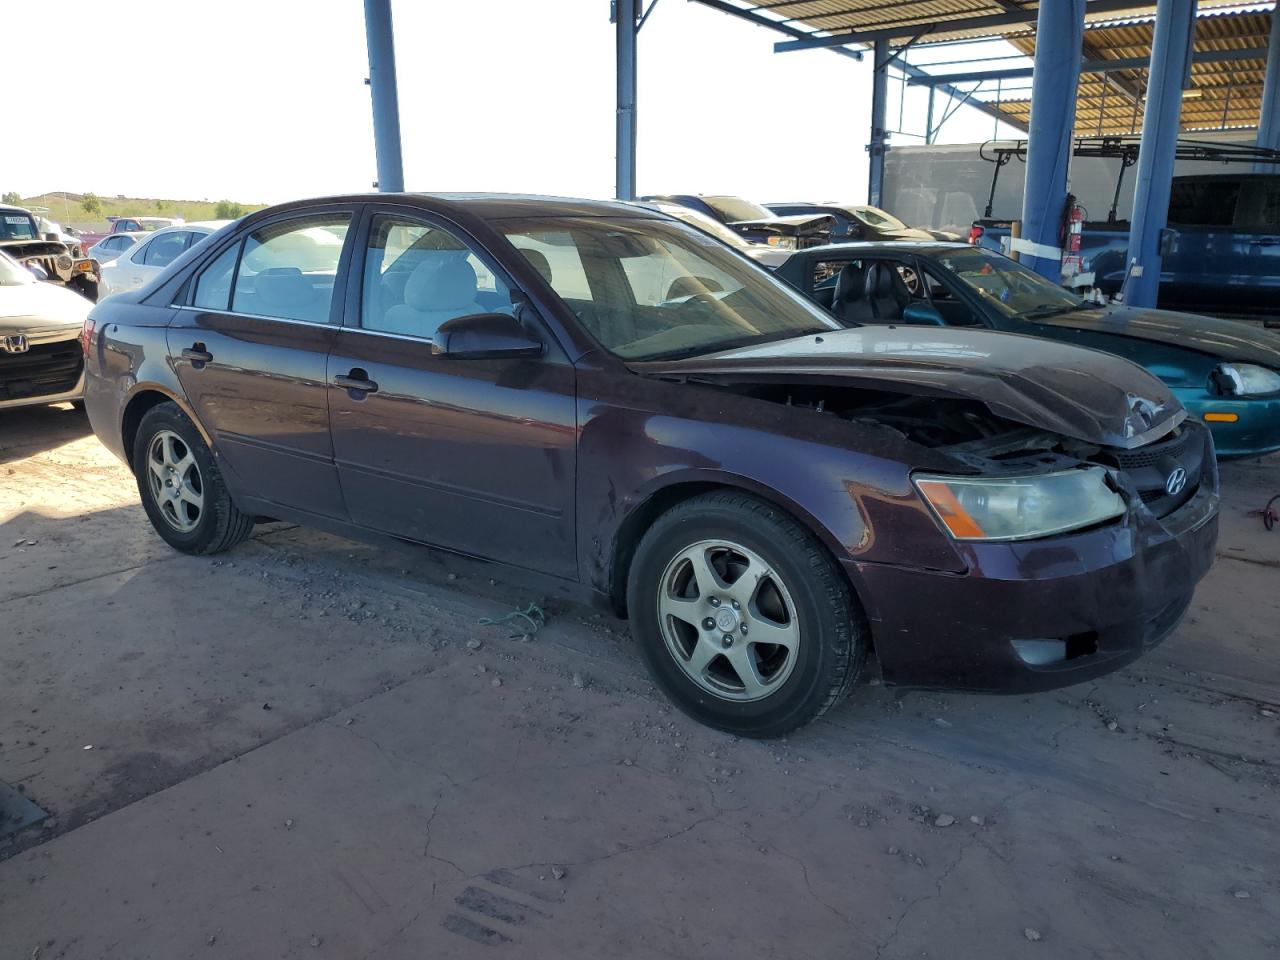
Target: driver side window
<point>418,276</point>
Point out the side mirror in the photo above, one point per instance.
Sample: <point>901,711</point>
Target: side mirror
<point>485,335</point>
<point>925,314</point>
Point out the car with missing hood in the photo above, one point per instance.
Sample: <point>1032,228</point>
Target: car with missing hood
<point>41,359</point>
<point>756,223</point>
<point>859,221</point>
<point>1226,373</point>
<point>761,253</point>
<point>624,405</point>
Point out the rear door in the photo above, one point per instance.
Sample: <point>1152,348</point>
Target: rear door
<point>1258,238</point>
<point>476,455</point>
<point>1205,266</point>
<point>250,349</point>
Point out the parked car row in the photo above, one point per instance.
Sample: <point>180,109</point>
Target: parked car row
<point>766,484</point>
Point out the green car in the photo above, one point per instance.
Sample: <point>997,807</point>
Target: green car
<point>1226,373</point>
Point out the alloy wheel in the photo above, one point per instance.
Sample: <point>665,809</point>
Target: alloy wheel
<point>728,620</point>
<point>174,480</point>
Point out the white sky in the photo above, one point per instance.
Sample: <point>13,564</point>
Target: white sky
<point>264,101</point>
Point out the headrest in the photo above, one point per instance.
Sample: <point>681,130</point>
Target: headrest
<point>849,283</point>
<point>691,286</point>
<point>539,261</point>
<point>880,280</point>
<point>281,287</point>
<point>441,284</point>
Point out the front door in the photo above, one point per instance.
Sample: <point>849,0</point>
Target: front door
<point>475,455</point>
<point>250,350</point>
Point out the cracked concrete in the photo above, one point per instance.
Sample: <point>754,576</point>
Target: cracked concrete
<point>294,753</point>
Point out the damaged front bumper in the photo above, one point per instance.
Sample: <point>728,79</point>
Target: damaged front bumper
<point>1035,615</point>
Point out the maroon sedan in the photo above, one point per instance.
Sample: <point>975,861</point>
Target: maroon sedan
<point>602,394</point>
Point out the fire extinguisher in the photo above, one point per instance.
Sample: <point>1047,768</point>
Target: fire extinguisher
<point>1069,237</point>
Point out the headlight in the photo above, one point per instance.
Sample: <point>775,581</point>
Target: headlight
<point>1020,508</point>
<point>786,243</point>
<point>64,262</point>
<point>1245,380</point>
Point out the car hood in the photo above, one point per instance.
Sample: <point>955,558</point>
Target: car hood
<point>40,307</point>
<point>1225,339</point>
<point>907,233</point>
<point>789,226</point>
<point>1082,394</point>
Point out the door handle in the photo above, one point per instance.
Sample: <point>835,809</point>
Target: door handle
<point>197,354</point>
<point>356,382</point>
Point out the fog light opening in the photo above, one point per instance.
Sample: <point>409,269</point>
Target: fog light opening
<point>1043,653</point>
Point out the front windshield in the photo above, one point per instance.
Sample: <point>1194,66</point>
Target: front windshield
<point>18,226</point>
<point>1009,287</point>
<point>12,273</point>
<point>734,209</point>
<point>875,217</point>
<point>653,289</point>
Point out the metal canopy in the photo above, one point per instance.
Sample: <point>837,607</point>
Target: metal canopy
<point>1226,75</point>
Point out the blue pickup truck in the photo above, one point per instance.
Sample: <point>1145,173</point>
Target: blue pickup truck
<point>1222,252</point>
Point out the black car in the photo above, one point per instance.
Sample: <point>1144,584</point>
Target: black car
<point>859,221</point>
<point>622,403</point>
<point>756,223</point>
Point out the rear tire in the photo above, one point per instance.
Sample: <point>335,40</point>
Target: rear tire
<point>181,487</point>
<point>711,580</point>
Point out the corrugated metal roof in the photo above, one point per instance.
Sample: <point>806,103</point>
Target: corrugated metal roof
<point>1225,95</point>
<point>822,17</point>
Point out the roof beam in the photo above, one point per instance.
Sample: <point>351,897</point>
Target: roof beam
<point>1089,66</point>
<point>750,16</point>
<point>992,22</point>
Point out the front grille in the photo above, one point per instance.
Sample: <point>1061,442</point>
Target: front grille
<point>44,370</point>
<point>1149,469</point>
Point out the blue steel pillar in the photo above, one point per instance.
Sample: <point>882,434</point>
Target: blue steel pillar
<point>1056,76</point>
<point>1161,121</point>
<point>1269,117</point>
<point>625,181</point>
<point>879,99</point>
<point>382,88</point>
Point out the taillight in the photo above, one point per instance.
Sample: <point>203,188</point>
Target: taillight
<point>975,234</point>
<point>86,335</point>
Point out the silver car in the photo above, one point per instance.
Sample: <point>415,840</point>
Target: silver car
<point>41,360</point>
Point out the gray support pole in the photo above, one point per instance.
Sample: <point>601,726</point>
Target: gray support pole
<point>879,102</point>
<point>928,118</point>
<point>382,87</point>
<point>1269,116</point>
<point>1059,37</point>
<point>1161,121</point>
<point>625,180</point>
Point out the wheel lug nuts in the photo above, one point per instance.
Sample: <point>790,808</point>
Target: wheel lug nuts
<point>744,629</point>
<point>735,605</point>
<point>714,601</point>
<point>708,624</point>
<point>728,640</point>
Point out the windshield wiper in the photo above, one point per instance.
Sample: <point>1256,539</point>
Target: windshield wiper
<point>748,341</point>
<point>1042,313</point>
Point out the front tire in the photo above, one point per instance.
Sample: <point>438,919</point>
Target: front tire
<point>744,618</point>
<point>181,487</point>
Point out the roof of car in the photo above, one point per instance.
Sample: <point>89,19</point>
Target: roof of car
<point>871,246</point>
<point>484,206</point>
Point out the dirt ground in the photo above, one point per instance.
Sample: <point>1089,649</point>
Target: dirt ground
<point>313,748</point>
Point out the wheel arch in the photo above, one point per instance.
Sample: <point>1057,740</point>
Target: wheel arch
<point>670,491</point>
<point>143,398</point>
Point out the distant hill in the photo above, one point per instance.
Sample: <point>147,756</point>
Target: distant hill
<point>65,208</point>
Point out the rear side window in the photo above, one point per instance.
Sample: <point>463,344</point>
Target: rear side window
<point>1203,203</point>
<point>213,286</point>
<point>165,249</point>
<point>1259,207</point>
<point>285,270</point>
